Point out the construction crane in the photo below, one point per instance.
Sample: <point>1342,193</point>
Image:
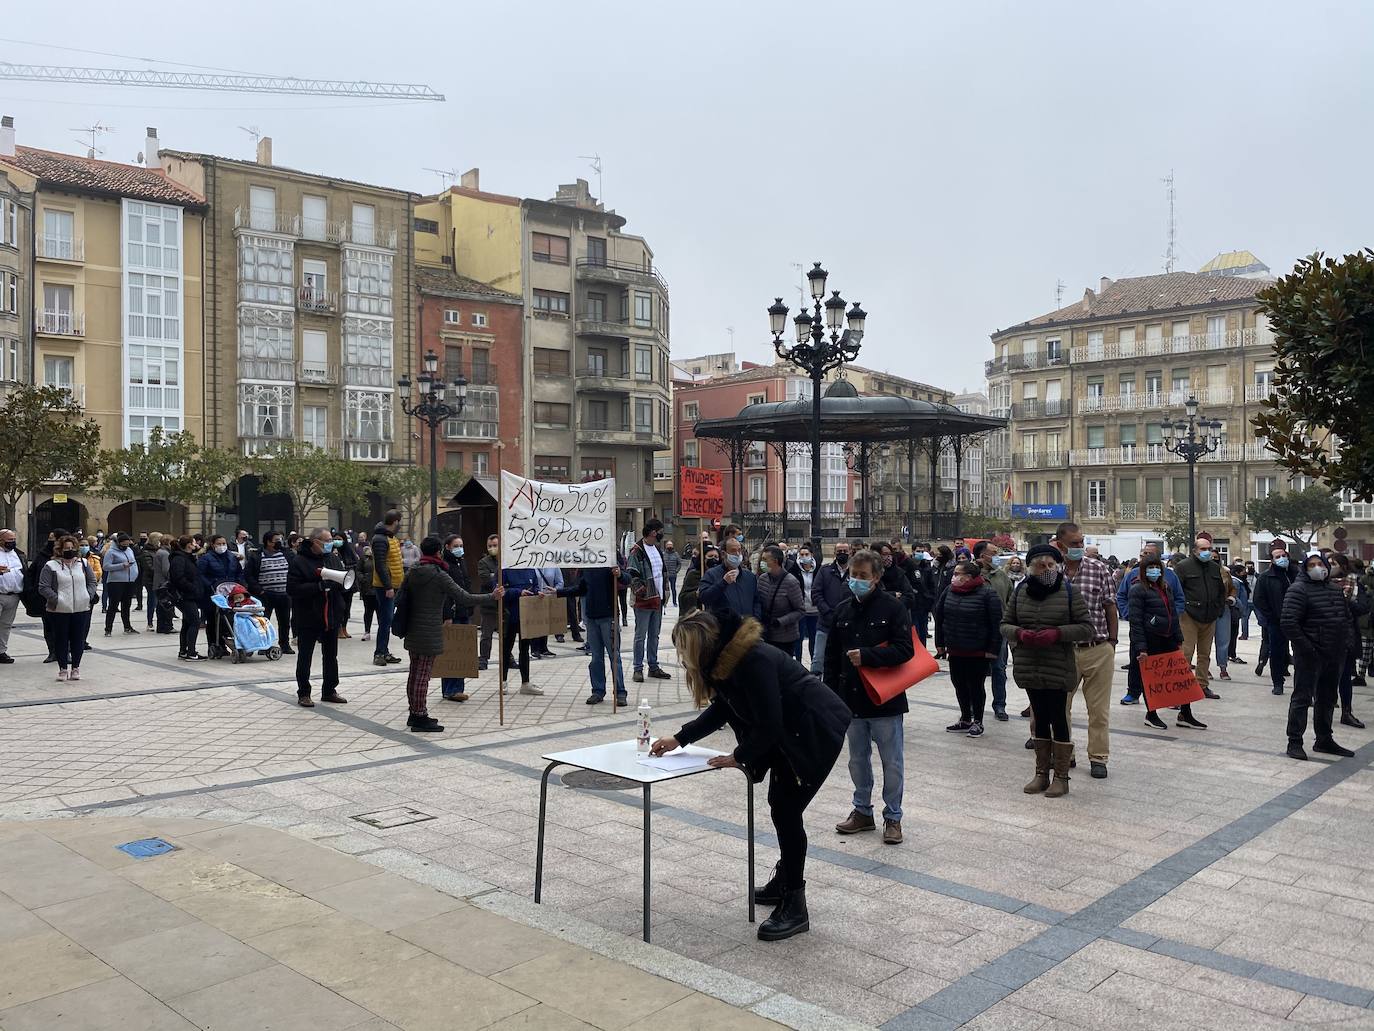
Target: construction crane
<point>221,82</point>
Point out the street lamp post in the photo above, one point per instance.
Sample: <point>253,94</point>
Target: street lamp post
<point>437,401</point>
<point>817,352</point>
<point>1191,439</point>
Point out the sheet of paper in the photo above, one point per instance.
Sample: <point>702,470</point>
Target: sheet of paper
<point>675,762</point>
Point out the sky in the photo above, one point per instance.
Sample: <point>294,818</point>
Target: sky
<point>949,164</point>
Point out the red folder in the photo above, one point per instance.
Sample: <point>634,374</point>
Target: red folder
<point>884,683</point>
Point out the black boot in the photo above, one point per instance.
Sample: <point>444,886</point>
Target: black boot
<point>790,918</point>
<point>771,893</point>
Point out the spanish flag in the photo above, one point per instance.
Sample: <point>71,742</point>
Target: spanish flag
<point>1006,494</point>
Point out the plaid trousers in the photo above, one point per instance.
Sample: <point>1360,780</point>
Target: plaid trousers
<point>417,684</point>
<point>1367,655</point>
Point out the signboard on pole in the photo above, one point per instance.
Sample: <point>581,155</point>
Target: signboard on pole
<point>570,525</point>
<point>701,493</point>
<point>1060,512</point>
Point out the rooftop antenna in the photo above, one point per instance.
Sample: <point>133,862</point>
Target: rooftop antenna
<point>1058,294</point>
<point>95,132</point>
<point>595,159</point>
<point>253,131</point>
<point>801,283</point>
<point>446,176</point>
<point>1170,255</point>
<point>731,331</point>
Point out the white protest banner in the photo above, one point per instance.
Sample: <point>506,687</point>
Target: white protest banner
<point>556,524</point>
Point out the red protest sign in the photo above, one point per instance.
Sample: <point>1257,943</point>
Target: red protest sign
<point>1169,680</point>
<point>701,493</point>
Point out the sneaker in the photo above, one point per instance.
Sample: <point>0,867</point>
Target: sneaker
<point>1355,681</point>
<point>1128,699</point>
<point>1207,692</point>
<point>192,657</point>
<point>560,638</point>
<point>595,699</point>
<point>61,676</point>
<point>1259,669</point>
<point>855,823</point>
<point>659,674</point>
<point>638,678</point>
<point>1000,715</point>
<point>109,633</point>
<point>961,727</point>
<point>1295,751</point>
<point>1223,674</point>
<point>75,674</point>
<point>1025,713</point>
<point>50,658</point>
<point>1331,748</point>
<point>1184,720</point>
<point>391,659</point>
<point>975,729</point>
<point>5,660</point>
<point>622,700</point>
<point>128,630</point>
<point>379,660</point>
<point>288,650</point>
<point>1152,720</point>
<point>1030,743</point>
<point>1127,667</point>
<point>424,724</point>
<point>457,696</point>
<point>481,664</point>
<point>367,637</point>
<point>892,832</point>
<point>1276,690</point>
<point>1237,661</point>
<point>529,689</point>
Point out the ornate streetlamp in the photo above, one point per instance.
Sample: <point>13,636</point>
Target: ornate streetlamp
<point>438,401</point>
<point>1191,439</point>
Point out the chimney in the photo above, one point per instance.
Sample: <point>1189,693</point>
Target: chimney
<point>1088,298</point>
<point>1102,286</point>
<point>470,179</point>
<point>265,150</point>
<point>7,136</point>
<point>151,146</point>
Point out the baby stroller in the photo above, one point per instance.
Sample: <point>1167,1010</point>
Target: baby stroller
<point>243,623</point>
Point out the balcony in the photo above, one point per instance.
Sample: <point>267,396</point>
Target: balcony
<point>271,370</point>
<point>1039,459</point>
<point>76,392</point>
<point>473,426</point>
<point>317,374</point>
<point>315,301</point>
<point>1097,510</point>
<point>266,220</point>
<point>367,234</point>
<point>1154,510</point>
<point>1127,509</point>
<point>1194,344</point>
<point>599,379</point>
<point>1054,408</point>
<point>1218,510</point>
<point>590,325</point>
<point>477,374</point>
<point>61,324</point>
<point>1043,359</point>
<point>60,248</point>
<point>620,272</point>
<point>1151,400</point>
<point>1154,454</point>
<point>1259,392</point>
<point>313,230</point>
<point>619,433</point>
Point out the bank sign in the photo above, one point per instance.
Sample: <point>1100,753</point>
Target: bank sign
<point>1059,512</point>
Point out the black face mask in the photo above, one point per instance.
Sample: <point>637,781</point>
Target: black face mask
<point>69,553</point>
<point>842,558</point>
<point>7,545</point>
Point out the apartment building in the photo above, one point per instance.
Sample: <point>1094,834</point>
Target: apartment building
<point>117,308</point>
<point>16,264</point>
<point>310,314</point>
<point>1087,387</point>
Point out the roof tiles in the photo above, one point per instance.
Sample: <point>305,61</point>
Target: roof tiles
<point>103,178</point>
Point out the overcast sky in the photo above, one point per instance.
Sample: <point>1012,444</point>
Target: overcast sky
<point>949,164</point>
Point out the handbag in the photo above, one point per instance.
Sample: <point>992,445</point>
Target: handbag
<point>884,683</point>
<point>400,616</point>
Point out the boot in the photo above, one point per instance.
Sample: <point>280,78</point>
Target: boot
<point>1063,755</point>
<point>1041,780</point>
<point>788,919</point>
<point>771,893</point>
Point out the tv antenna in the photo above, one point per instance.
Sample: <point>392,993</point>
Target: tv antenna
<point>801,284</point>
<point>95,131</point>
<point>1058,294</point>
<point>595,159</point>
<point>446,176</point>
<point>731,331</point>
<point>253,131</point>
<point>1171,255</point>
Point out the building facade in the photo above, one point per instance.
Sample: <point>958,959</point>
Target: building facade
<point>310,314</point>
<point>117,310</point>
<point>16,268</point>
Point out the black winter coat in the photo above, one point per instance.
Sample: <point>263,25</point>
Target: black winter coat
<point>1154,623</point>
<point>1267,598</point>
<point>183,577</point>
<point>829,588</point>
<point>459,572</point>
<point>783,717</point>
<point>972,620</point>
<point>1316,618</point>
<point>317,604</point>
<point>1204,589</point>
<point>880,627</point>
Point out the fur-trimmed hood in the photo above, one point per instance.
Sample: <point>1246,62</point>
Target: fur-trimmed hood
<point>737,636</point>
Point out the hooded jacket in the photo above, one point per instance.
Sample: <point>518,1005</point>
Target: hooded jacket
<point>1271,586</point>
<point>1316,617</point>
<point>879,626</point>
<point>972,618</point>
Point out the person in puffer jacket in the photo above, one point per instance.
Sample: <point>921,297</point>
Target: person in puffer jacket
<point>971,613</point>
<point>1316,621</point>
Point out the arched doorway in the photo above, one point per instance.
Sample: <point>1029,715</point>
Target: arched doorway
<point>66,515</point>
<point>145,516</point>
<point>255,511</point>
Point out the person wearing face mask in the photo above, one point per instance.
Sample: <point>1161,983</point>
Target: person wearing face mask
<point>1154,630</point>
<point>870,628</point>
<point>691,583</point>
<point>488,576</point>
<point>778,601</point>
<point>972,613</point>
<point>1357,602</point>
<point>265,578</point>
<point>67,585</point>
<point>186,591</point>
<point>121,580</point>
<point>828,590</point>
<point>803,570</point>
<point>217,566</point>
<point>942,572</point>
<point>1240,612</point>
<point>12,563</point>
<point>730,585</point>
<point>985,554</point>
<point>1316,621</point>
<point>1271,587</point>
<point>672,565</point>
<point>364,574</point>
<point>647,586</point>
<point>1204,598</point>
<point>316,609</point>
<point>453,689</point>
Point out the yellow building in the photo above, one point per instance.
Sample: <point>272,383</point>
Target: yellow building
<point>472,232</point>
<point>117,310</point>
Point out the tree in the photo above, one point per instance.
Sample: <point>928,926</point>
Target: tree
<point>408,487</point>
<point>312,478</point>
<point>170,467</point>
<point>47,439</point>
<point>976,524</point>
<point>1322,316</point>
<point>1175,531</point>
<point>1299,514</point>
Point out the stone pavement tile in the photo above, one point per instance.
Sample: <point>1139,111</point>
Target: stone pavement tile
<point>1241,991</point>
<point>179,874</point>
<point>1093,1010</point>
<point>113,916</point>
<point>538,1018</point>
<point>1313,1010</point>
<point>386,901</point>
<point>910,986</point>
<point>47,873</point>
<point>251,907</point>
<point>1150,965</point>
<point>96,1007</point>
<point>811,984</point>
<point>305,867</point>
<point>480,941</point>
<point>699,1012</point>
<point>332,949</point>
<point>1170,1002</point>
<point>597,991</point>
<point>273,997</point>
<point>427,993</point>
<point>1007,1016</point>
<point>184,959</point>
<point>45,964</point>
<point>17,922</point>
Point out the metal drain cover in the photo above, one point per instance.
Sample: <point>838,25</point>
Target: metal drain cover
<point>591,780</point>
<point>397,816</point>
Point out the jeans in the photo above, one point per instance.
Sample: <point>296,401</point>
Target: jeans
<point>152,607</point>
<point>450,686</point>
<point>602,643</point>
<point>887,733</point>
<point>1222,644</point>
<point>807,633</point>
<point>385,608</point>
<point>648,623</point>
<point>1245,627</point>
<point>999,679</point>
<point>328,640</point>
<point>69,636</point>
<point>818,652</point>
<point>671,593</point>
<point>1315,679</point>
<point>121,596</point>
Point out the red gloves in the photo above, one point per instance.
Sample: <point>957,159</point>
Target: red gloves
<point>1026,638</point>
<point>1038,638</point>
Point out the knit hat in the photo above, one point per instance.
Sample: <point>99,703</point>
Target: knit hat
<point>1203,535</point>
<point>1044,549</point>
<point>1278,544</point>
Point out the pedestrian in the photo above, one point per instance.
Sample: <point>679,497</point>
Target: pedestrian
<point>985,554</point>
<point>596,589</point>
<point>1221,642</point>
<point>1342,577</point>
<point>570,577</point>
<point>188,593</point>
<point>1204,596</point>
<point>265,578</point>
<point>1267,601</point>
<point>32,600</point>
<point>804,571</point>
<point>1153,615</point>
<point>454,689</point>
<point>828,590</point>
<point>1044,620</point>
<point>216,566</point>
<point>121,581</point>
<point>921,573</point>
<point>388,568</point>
<point>785,723</point>
<point>672,565</point>
<point>1365,576</point>
<point>142,584</point>
<point>972,613</point>
<point>647,584</point>
<point>410,553</point>
<point>429,591</point>
<point>549,576</point>
<point>1094,659</point>
<point>1016,570</point>
<point>690,599</point>
<point>1316,621</point>
<point>488,575</point>
<point>520,583</point>
<point>623,590</point>
<point>12,563</point>
<point>778,601</point>
<point>942,573</point>
<point>1240,611</point>
<point>344,546</point>
<point>870,629</point>
<point>1123,596</point>
<point>242,545</point>
<point>67,585</point>
<point>316,609</point>
<point>144,590</point>
<point>730,585</point>
<point>160,559</point>
<point>363,584</point>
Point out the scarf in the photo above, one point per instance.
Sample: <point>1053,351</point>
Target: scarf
<point>969,586</point>
<point>434,560</point>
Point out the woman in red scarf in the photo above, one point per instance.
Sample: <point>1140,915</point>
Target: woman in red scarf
<point>1155,630</point>
<point>971,614</point>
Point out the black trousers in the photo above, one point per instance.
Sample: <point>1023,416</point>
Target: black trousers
<point>348,608</point>
<point>1346,686</point>
<point>508,644</point>
<point>1048,709</point>
<point>624,593</point>
<point>788,801</point>
<point>369,610</point>
<point>1274,650</point>
<point>969,674</point>
<point>121,596</point>
<point>166,611</point>
<point>1235,634</point>
<point>1315,677</point>
<point>190,626</point>
<point>328,640</point>
<point>280,605</point>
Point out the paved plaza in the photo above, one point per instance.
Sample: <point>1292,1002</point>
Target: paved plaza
<point>335,871</point>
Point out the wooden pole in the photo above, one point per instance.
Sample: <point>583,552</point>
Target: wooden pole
<point>501,604</point>
<point>615,634</point>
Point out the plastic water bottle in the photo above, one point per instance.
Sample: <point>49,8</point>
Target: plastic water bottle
<point>642,734</point>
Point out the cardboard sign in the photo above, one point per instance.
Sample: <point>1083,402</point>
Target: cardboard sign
<point>1169,680</point>
<point>459,658</point>
<point>570,525</point>
<point>543,616</point>
<point>701,493</point>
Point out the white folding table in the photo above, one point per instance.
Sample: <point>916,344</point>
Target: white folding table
<point>621,759</point>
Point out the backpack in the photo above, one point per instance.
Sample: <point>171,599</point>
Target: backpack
<point>400,616</point>
<point>34,605</point>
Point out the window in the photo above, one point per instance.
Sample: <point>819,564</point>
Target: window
<point>1053,447</point>
<point>644,416</point>
<point>1154,498</point>
<point>1265,485</point>
<point>549,413</point>
<point>1125,341</point>
<point>1097,499</point>
<point>598,469</point>
<point>552,468</point>
<point>266,347</point>
<point>367,282</point>
<point>265,271</point>
<point>596,362</point>
<point>1054,350</point>
<point>453,317</point>
<point>1030,492</point>
<point>482,372</point>
<point>9,299</point>
<point>1128,439</point>
<point>365,225</point>
<point>1054,492</point>
<point>367,352</point>
<point>551,301</point>
<point>691,411</point>
<point>1028,444</point>
<point>644,309</point>
<point>57,371</point>
<point>1181,331</point>
<point>1154,442</point>
<point>1095,350</point>
<point>550,249</point>
<point>598,415</point>
<point>10,372</point>
<point>154,308</point>
<point>315,425</point>
<point>1097,437</point>
<point>1095,388</point>
<point>596,307</point>
<point>756,399</point>
<point>1180,491</point>
<point>1217,500</point>
<point>314,218</point>
<point>481,463</point>
<point>262,208</point>
<point>1030,392</point>
<point>453,362</point>
<point>9,222</point>
<point>58,301</point>
<point>59,234</point>
<point>479,319</point>
<point>550,362</point>
<point>1216,331</point>
<point>367,424</point>
<point>1125,384</point>
<point>757,491</point>
<point>453,460</point>
<point>153,236</point>
<point>427,225</point>
<point>265,411</point>
<point>314,283</point>
<point>1054,402</point>
<point>142,426</point>
<point>644,362</point>
<point>596,250</point>
<point>689,452</point>
<point>154,379</point>
<point>1181,382</point>
<point>1216,384</point>
<point>1154,339</point>
<point>314,356</point>
<point>1154,386</point>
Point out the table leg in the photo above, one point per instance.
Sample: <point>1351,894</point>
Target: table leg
<point>539,852</point>
<point>646,862</point>
<point>750,821</point>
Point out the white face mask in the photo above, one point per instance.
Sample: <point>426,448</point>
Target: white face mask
<point>1317,573</point>
<point>220,549</point>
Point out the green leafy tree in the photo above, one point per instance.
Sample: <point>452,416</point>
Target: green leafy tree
<point>978,524</point>
<point>1322,316</point>
<point>312,478</point>
<point>170,467</point>
<point>1299,515</point>
<point>47,440</point>
<point>407,486</point>
<point>1175,529</point>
